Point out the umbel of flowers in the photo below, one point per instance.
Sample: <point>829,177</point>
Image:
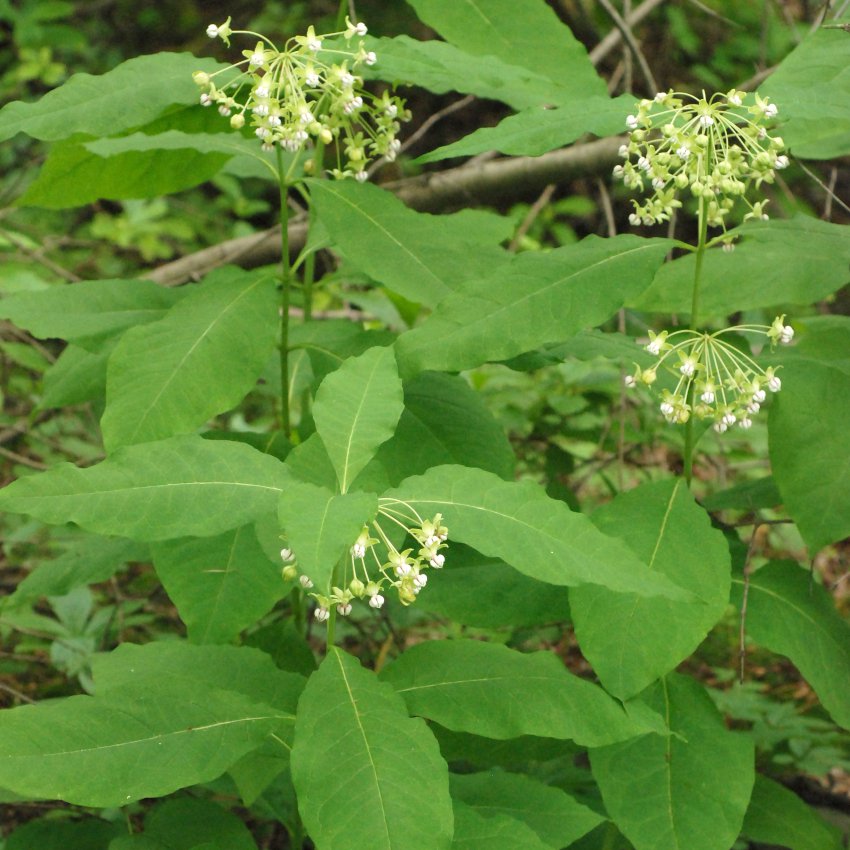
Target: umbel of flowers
<point>715,379</point>
<point>715,149</point>
<point>374,564</point>
<point>307,93</point>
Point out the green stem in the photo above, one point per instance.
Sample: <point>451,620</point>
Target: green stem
<point>285,286</point>
<point>700,256</point>
<point>340,15</point>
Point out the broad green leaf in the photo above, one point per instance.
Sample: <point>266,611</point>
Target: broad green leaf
<point>685,791</point>
<point>474,831</point>
<point>632,640</point>
<point>534,300</point>
<point>746,496</point>
<point>309,462</point>
<point>220,585</point>
<point>210,348</point>
<point>172,488</point>
<point>796,261</point>
<point>490,690</point>
<point>555,816</point>
<point>287,646</point>
<point>76,376</point>
<point>532,37</point>
<point>188,823</point>
<point>72,176</point>
<point>537,130</point>
<point>539,536</point>
<point>356,409</point>
<point>811,87</point>
<point>509,753</point>
<point>132,94</point>
<point>367,775</point>
<point>789,614</point>
<point>331,342</point>
<point>807,430</point>
<point>88,561</point>
<point>778,816</point>
<point>54,834</point>
<point>321,526</point>
<point>489,594</point>
<point>420,256</point>
<point>441,67</point>
<point>242,669</point>
<point>444,421</point>
<point>143,742</point>
<point>90,308</point>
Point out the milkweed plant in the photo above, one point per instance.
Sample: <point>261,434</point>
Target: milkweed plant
<point>393,632</point>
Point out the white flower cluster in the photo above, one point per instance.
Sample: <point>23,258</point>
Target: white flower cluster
<point>295,96</point>
<point>715,379</point>
<point>398,569</point>
<point>715,148</point>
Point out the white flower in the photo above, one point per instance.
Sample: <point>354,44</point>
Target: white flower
<point>361,176</point>
<point>258,57</point>
<point>745,423</point>
<point>734,98</point>
<point>402,570</point>
<point>391,110</point>
<point>631,122</point>
<point>322,614</point>
<point>420,580</point>
<point>376,601</point>
<point>286,554</point>
<point>212,31</point>
<point>315,44</point>
<point>261,92</point>
<point>688,366</point>
<point>753,407</point>
<point>720,427</point>
<point>630,381</point>
<point>438,561</point>
<point>224,110</point>
<point>708,397</point>
<point>634,220</point>
<point>683,152</point>
<point>361,28</point>
<point>786,335</point>
<point>654,347</point>
<point>347,79</point>
<point>770,110</point>
<point>358,550</point>
<point>643,164</point>
<point>371,58</point>
<point>305,582</point>
<point>759,396</point>
<point>728,419</point>
<point>344,610</point>
<point>312,79</point>
<point>774,384</point>
<point>781,162</point>
<point>666,408</point>
<point>706,120</point>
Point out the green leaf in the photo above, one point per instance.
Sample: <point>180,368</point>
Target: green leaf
<point>445,421</point>
<point>366,774</point>
<point>537,130</point>
<point>473,831</point>
<point>490,690</point>
<point>321,527</point>
<point>53,834</point>
<point>76,376</point>
<point>630,640</point>
<point>90,308</point>
<point>88,561</point>
<point>788,613</point>
<point>131,94</point>
<point>746,496</point>
<point>807,430</point>
<point>420,256</point>
<point>778,816</point>
<point>441,67</point>
<point>535,39</point>
<point>776,262</point>
<point>309,462</point>
<point>811,87</point>
<point>172,488</point>
<point>72,176</point>
<point>555,816</point>
<point>241,669</point>
<point>220,585</point>
<point>688,790</point>
<point>187,823</point>
<point>210,348</point>
<point>356,409</point>
<point>537,535</point>
<point>142,742</point>
<point>489,594</point>
<point>534,300</point>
